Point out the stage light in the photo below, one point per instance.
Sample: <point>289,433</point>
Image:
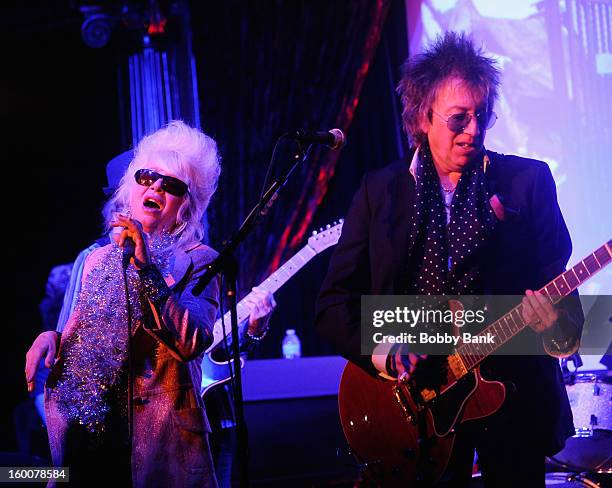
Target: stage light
<point>97,28</point>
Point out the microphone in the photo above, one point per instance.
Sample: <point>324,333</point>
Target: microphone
<point>129,250</point>
<point>333,138</point>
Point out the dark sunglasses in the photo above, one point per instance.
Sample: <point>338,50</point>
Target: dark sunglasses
<point>170,184</point>
<point>458,122</point>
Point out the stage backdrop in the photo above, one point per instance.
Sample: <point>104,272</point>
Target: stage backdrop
<point>295,65</point>
<point>555,104</point>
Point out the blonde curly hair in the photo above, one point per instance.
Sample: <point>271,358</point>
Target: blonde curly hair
<point>193,157</point>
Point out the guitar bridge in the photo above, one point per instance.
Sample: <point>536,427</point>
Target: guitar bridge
<point>403,403</point>
<point>455,364</point>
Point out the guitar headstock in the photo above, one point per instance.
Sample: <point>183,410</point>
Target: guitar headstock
<point>326,236</point>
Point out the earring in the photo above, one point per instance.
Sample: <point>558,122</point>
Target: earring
<point>180,227</point>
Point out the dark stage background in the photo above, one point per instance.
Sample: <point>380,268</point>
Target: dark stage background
<point>263,68</point>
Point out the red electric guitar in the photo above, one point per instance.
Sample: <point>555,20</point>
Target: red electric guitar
<point>402,433</point>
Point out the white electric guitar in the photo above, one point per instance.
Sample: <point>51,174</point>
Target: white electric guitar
<point>215,372</point>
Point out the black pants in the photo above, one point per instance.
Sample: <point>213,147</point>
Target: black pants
<point>508,456</point>
<point>223,448</point>
<point>101,460</point>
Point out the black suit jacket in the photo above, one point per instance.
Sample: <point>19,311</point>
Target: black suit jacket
<point>528,248</point>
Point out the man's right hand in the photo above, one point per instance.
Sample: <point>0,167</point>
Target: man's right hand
<point>406,364</point>
<point>45,345</point>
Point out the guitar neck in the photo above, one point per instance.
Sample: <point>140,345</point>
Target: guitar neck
<point>271,284</point>
<point>508,326</point>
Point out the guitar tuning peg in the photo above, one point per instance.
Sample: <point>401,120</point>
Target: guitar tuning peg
<point>327,226</point>
<point>314,232</point>
<point>341,221</point>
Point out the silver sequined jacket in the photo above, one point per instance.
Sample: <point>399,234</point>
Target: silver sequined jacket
<point>169,446</point>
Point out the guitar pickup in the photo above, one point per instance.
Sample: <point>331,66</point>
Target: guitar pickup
<point>455,364</point>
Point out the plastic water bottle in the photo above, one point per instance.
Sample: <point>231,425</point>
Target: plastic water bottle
<point>291,345</point>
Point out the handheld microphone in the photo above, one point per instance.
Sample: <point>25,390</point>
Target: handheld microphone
<point>129,250</point>
<point>333,138</point>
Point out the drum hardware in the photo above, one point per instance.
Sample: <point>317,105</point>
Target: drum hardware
<point>590,449</point>
<point>571,480</point>
<point>581,478</point>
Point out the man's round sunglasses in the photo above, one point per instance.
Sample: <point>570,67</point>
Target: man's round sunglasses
<point>458,122</point>
<point>170,184</point>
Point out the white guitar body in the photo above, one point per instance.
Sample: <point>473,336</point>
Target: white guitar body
<point>216,373</point>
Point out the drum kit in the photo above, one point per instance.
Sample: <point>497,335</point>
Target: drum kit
<point>587,456</point>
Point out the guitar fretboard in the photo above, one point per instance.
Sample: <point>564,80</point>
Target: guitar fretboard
<point>271,284</point>
<point>508,326</point>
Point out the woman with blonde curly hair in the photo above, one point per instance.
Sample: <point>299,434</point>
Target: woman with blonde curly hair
<point>122,400</point>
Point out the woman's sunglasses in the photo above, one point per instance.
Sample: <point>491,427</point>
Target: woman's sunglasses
<point>170,184</point>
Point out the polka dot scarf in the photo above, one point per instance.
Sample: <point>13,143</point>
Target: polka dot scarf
<point>447,258</point>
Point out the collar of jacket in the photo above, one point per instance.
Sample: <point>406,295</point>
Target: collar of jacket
<point>414,159</point>
<point>182,261</point>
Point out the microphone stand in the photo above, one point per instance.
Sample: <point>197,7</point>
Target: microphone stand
<point>226,264</point>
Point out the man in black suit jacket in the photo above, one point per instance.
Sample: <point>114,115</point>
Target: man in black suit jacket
<point>457,219</point>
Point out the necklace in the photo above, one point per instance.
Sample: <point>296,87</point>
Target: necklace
<point>447,190</point>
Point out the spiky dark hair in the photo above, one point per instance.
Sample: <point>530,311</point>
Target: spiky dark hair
<point>452,55</point>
